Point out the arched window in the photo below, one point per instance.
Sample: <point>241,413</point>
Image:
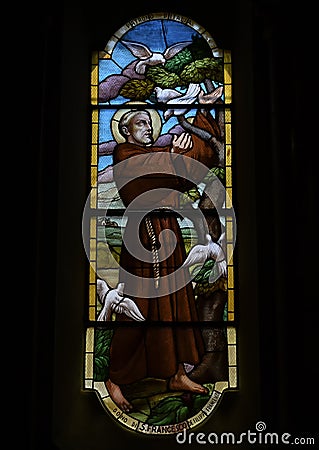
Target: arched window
<point>159,227</point>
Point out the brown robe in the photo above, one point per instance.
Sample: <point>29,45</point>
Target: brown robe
<point>154,348</point>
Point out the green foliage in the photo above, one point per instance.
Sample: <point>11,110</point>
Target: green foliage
<point>193,64</point>
<point>199,70</point>
<point>190,196</point>
<point>202,273</point>
<point>218,172</point>
<point>166,411</point>
<point>162,78</point>
<point>198,403</point>
<point>179,61</point>
<point>173,410</point>
<point>198,49</point>
<point>203,288</point>
<point>138,90</point>
<point>101,353</point>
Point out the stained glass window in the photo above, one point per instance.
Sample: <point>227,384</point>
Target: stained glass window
<point>159,226</point>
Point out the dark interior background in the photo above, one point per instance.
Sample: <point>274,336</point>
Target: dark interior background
<point>275,199</point>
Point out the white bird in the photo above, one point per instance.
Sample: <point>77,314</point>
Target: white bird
<point>148,58</point>
<point>188,98</point>
<point>200,253</point>
<point>114,300</point>
<point>164,95</point>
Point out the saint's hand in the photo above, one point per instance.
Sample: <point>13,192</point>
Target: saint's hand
<point>210,98</point>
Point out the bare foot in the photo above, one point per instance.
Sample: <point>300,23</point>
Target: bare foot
<point>117,396</point>
<point>181,382</point>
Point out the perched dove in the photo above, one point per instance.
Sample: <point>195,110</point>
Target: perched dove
<point>188,98</point>
<point>212,250</point>
<point>164,95</point>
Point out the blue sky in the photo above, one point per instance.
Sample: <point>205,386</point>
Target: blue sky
<point>157,35</point>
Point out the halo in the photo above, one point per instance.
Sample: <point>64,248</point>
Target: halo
<point>156,121</point>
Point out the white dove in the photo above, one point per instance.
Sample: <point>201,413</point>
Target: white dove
<point>164,95</point>
<point>113,300</point>
<point>212,250</point>
<point>189,97</point>
<point>148,58</point>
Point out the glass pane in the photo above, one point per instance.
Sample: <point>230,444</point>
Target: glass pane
<point>159,227</point>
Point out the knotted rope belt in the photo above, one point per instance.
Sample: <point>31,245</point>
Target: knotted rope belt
<point>152,236</point>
